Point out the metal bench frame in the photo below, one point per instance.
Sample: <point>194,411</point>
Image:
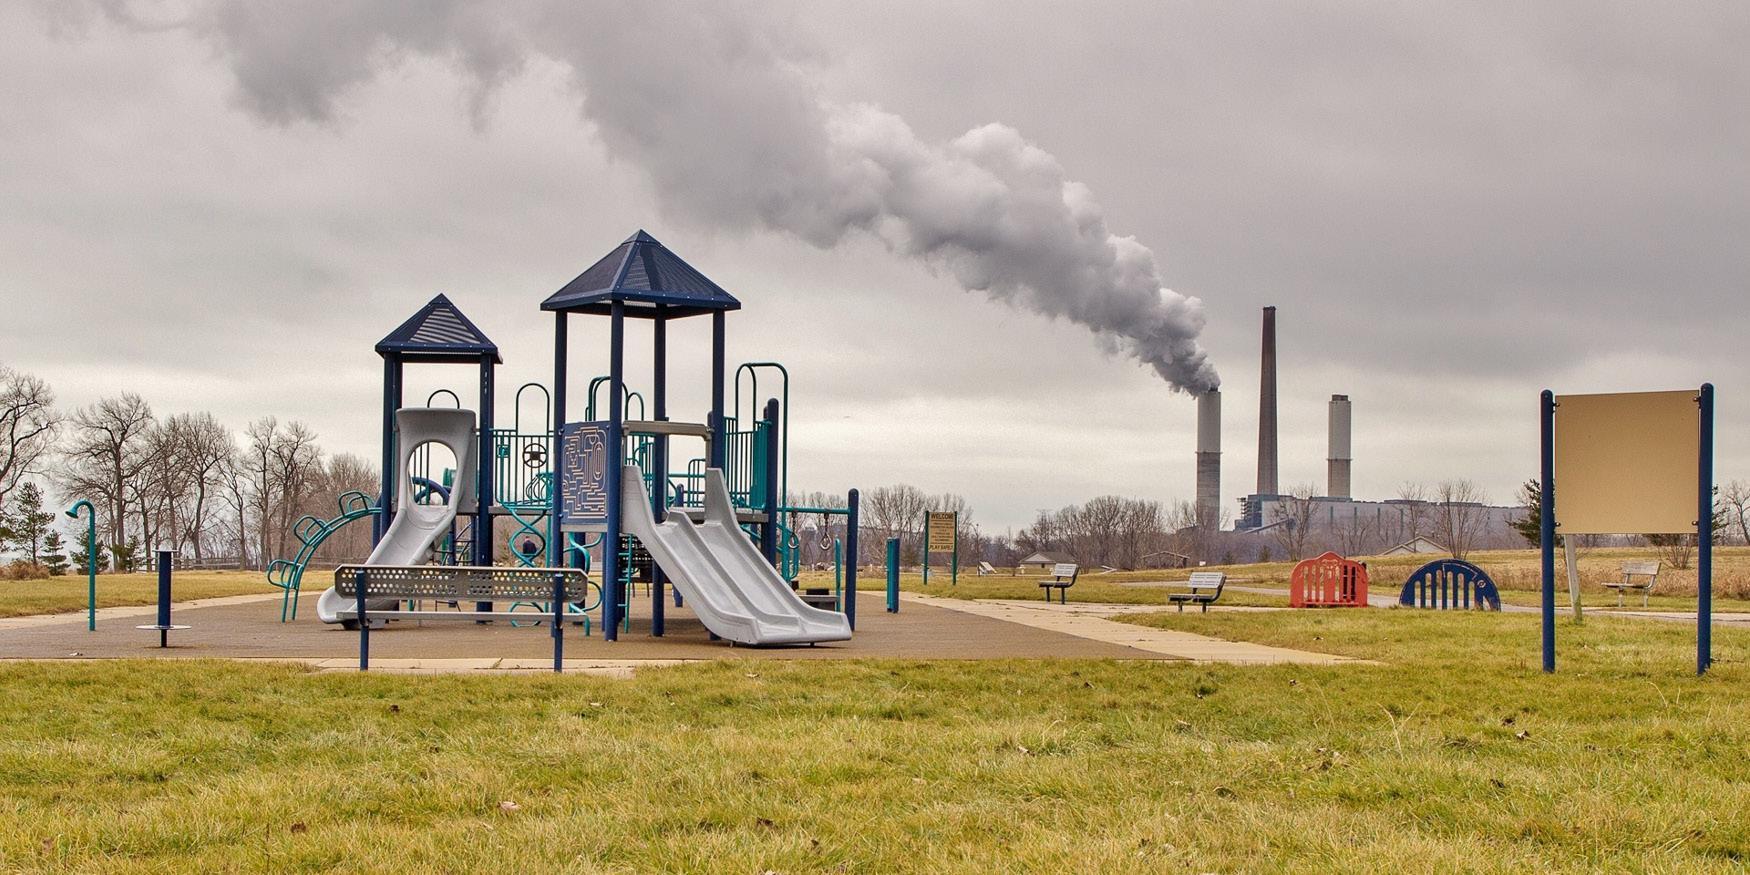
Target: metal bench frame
<point>1203,588</point>
<point>1063,576</point>
<point>458,583</point>
<point>1648,568</point>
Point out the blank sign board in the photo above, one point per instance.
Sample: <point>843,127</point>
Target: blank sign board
<point>1627,463</point>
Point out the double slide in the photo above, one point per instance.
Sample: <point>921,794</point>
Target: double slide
<point>737,594</point>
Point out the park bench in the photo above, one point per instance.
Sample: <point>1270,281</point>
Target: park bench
<point>457,584</point>
<point>1203,588</point>
<point>985,568</point>
<point>1063,576</point>
<point>1636,575</point>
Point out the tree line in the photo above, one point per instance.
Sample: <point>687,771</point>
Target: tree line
<point>182,481</point>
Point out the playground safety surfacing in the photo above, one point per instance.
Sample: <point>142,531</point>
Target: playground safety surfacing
<point>248,628</point>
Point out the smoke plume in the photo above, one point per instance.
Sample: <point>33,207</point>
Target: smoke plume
<point>722,114</point>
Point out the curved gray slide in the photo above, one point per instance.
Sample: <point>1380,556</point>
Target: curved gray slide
<point>737,594</point>
<point>417,527</point>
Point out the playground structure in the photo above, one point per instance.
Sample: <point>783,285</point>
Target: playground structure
<point>1450,584</point>
<point>1328,581</point>
<point>712,526</point>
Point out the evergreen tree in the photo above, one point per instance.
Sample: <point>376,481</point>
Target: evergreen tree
<point>82,551</point>
<point>54,553</point>
<point>127,556</point>
<point>27,522</point>
<point>1530,526</point>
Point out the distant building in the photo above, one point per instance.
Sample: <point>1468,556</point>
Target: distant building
<point>1044,559</point>
<point>1354,527</point>
<point>1415,546</point>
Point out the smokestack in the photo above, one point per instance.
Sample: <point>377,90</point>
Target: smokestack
<point>1337,466</point>
<point>1209,458</point>
<point>1267,409</point>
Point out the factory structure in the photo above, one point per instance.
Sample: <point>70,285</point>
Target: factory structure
<point>1336,519</point>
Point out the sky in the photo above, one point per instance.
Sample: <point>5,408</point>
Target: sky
<point>992,241</point>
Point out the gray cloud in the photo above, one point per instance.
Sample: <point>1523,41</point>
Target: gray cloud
<point>727,122</point>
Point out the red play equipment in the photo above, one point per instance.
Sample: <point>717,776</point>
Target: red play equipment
<point>1330,581</point>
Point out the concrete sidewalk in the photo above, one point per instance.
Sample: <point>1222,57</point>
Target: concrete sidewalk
<point>1092,621</point>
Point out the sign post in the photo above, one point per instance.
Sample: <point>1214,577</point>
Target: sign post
<point>942,535</point>
<point>1637,463</point>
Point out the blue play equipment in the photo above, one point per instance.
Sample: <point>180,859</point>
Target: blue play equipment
<point>1450,584</point>
<point>518,497</point>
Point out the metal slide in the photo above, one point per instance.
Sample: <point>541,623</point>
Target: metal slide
<point>417,527</point>
<point>734,590</point>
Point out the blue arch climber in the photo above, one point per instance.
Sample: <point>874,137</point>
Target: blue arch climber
<point>1450,584</point>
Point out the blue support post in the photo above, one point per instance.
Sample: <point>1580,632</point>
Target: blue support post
<point>658,459</point>
<point>769,531</point>
<point>482,552</point>
<point>1704,535</point>
<point>714,454</point>
<point>892,575</point>
<point>555,498</point>
<point>391,401</point>
<point>852,556</point>
<point>558,623</point>
<point>1547,535</point>
<point>616,460</point>
<point>163,598</point>
<point>358,591</point>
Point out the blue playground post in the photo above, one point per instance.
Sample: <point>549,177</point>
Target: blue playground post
<point>1704,535</point>
<point>558,623</point>
<point>90,560</point>
<point>358,592</point>
<point>769,531</point>
<point>163,626</point>
<point>892,575</point>
<point>616,459</point>
<point>658,457</point>
<point>1547,535</point>
<point>853,555</point>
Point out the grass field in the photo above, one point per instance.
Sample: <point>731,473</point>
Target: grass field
<point>57,595</point>
<point>1455,754</point>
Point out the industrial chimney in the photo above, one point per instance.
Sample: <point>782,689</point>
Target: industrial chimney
<point>1337,470</point>
<point>1209,458</point>
<point>1267,409</point>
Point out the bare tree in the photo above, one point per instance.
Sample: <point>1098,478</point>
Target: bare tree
<point>1459,515</point>
<point>200,451</point>
<point>1357,535</point>
<point>1292,520</point>
<point>108,449</point>
<point>896,511</point>
<point>1736,498</point>
<point>28,425</point>
<point>1413,511</point>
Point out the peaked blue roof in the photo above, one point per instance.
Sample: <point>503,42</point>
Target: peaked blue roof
<point>648,277</point>
<point>439,331</point>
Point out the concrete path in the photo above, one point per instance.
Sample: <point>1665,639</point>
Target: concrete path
<point>1091,621</point>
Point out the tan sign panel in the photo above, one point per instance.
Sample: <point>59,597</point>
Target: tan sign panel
<point>939,532</point>
<point>1627,463</point>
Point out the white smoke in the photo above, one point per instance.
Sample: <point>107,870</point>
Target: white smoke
<point>723,116</point>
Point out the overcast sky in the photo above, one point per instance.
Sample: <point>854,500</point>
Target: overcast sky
<point>223,205</point>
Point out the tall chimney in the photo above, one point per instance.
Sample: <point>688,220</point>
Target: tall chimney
<point>1267,409</point>
<point>1337,466</point>
<point>1209,458</point>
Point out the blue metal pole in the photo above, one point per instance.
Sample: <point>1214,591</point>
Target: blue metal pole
<point>658,458</point>
<point>853,556</point>
<point>715,453</point>
<point>555,498</point>
<point>163,598</point>
<point>616,459</point>
<point>1547,535</point>
<point>91,561</point>
<point>769,531</point>
<point>358,592</point>
<point>1704,535</point>
<point>483,472</point>
<point>391,401</point>
<point>892,575</point>
<point>558,622</point>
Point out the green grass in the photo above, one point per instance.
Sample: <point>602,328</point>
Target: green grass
<point>1455,754</point>
<point>59,595</point>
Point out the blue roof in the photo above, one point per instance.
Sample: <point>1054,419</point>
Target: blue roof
<point>648,277</point>
<point>439,331</point>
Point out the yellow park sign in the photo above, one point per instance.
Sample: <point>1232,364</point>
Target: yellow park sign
<point>939,532</point>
